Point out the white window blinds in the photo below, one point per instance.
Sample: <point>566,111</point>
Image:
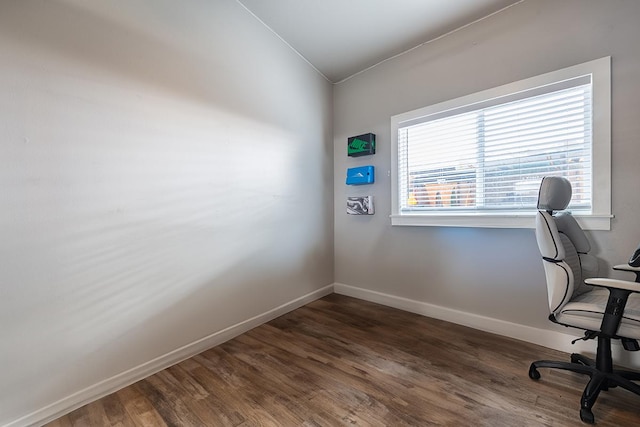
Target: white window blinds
<point>491,155</point>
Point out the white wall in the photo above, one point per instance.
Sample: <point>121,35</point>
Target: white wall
<point>495,273</point>
<point>165,172</point>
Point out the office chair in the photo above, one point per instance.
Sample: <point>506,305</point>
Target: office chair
<point>608,309</point>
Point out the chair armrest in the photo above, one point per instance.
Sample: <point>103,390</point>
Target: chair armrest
<point>619,292</point>
<point>626,267</point>
<point>614,283</point>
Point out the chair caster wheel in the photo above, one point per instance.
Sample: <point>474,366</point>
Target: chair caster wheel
<point>533,373</point>
<point>574,358</point>
<point>587,416</point>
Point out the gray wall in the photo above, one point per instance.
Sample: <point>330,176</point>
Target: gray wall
<point>165,172</point>
<point>489,272</point>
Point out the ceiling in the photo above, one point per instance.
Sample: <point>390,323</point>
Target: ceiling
<point>343,37</point>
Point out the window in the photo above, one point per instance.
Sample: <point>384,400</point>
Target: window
<point>478,160</point>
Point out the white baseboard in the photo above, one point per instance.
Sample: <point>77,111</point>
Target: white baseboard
<point>544,337</point>
<point>110,385</point>
<point>547,338</point>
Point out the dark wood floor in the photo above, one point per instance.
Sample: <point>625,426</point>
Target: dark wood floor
<point>342,361</point>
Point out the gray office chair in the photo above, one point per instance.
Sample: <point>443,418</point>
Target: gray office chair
<point>608,309</point>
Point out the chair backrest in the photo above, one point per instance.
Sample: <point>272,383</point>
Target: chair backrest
<point>562,243</point>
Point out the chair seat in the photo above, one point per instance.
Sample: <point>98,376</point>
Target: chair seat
<point>586,310</point>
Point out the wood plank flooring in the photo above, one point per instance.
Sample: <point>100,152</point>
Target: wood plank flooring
<point>342,361</point>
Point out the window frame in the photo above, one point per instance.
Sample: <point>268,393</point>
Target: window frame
<point>600,216</point>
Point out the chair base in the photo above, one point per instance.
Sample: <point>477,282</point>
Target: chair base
<point>602,377</point>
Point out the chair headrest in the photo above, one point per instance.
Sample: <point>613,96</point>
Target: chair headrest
<point>555,193</point>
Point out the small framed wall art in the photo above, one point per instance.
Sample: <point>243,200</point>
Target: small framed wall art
<point>361,145</point>
<point>360,205</point>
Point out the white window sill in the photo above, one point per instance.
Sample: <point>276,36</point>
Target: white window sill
<point>502,220</point>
